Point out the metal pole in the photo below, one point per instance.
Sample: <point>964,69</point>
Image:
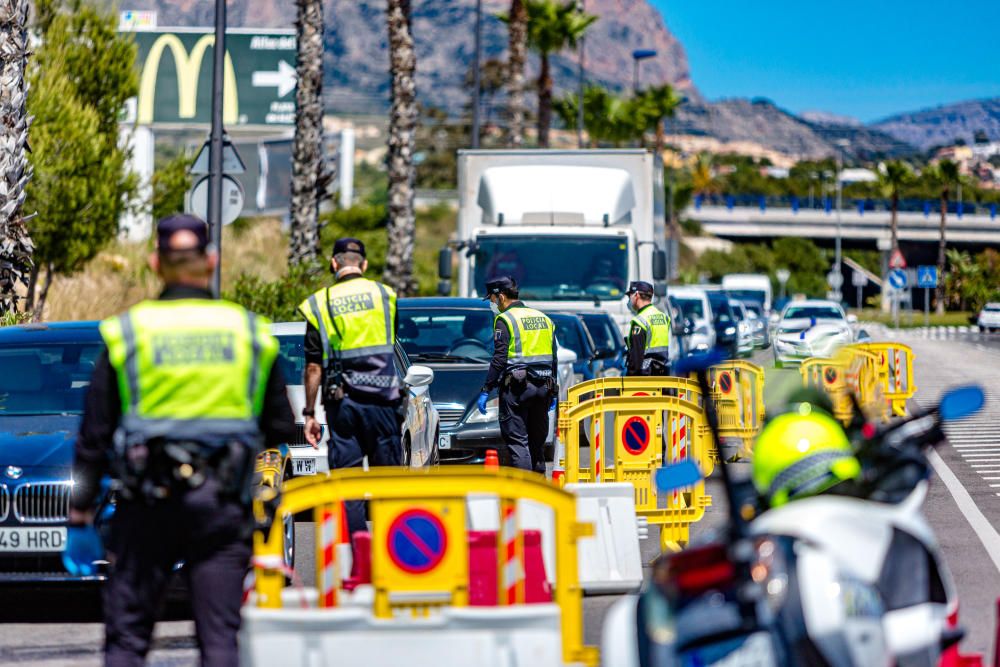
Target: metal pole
<point>861,305</point>
<point>635,75</point>
<point>582,6</point>
<point>927,306</point>
<point>476,77</point>
<point>840,188</point>
<point>215,148</point>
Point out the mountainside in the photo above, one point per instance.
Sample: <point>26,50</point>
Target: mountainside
<point>357,63</point>
<point>943,125</point>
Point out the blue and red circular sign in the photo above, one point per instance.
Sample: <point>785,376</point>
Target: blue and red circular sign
<point>725,382</point>
<point>635,435</point>
<point>417,541</point>
<point>830,374</point>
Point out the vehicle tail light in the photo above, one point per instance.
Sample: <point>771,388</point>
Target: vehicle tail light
<point>695,570</point>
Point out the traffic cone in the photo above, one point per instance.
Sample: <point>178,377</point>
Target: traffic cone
<point>492,460</point>
<point>558,471</point>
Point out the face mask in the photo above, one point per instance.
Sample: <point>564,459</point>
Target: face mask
<point>495,308</point>
<point>631,305</point>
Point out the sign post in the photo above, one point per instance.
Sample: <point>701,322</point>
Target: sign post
<point>215,152</point>
<point>897,281</point>
<point>859,280</point>
<point>782,275</point>
<point>927,278</point>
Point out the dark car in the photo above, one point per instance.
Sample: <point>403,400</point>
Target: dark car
<point>607,337</point>
<point>454,336</point>
<point>725,321</point>
<point>573,335</point>
<point>46,372</point>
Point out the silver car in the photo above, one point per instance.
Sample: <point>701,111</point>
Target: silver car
<point>810,329</point>
<point>420,428</point>
<point>989,317</point>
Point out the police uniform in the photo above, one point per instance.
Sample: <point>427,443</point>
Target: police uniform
<point>524,369</point>
<point>351,333</point>
<point>179,405</point>
<point>649,337</point>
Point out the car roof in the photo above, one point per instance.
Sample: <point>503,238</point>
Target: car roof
<point>442,302</point>
<point>51,332</point>
<point>288,328</point>
<point>688,291</point>
<point>813,302</point>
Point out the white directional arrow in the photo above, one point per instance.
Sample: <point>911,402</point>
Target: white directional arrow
<point>283,79</point>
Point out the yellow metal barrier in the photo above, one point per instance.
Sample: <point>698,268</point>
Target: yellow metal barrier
<point>895,372</point>
<point>855,371</point>
<point>738,391</point>
<point>436,498</point>
<point>640,425</point>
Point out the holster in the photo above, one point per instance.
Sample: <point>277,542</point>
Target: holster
<point>333,381</point>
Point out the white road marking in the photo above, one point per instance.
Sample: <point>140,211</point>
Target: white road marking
<point>984,530</point>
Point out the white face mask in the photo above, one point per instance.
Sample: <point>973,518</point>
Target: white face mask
<point>495,308</point>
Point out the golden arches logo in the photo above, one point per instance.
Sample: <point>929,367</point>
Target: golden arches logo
<point>188,67</point>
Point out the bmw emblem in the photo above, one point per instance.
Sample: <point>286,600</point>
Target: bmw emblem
<point>14,472</point>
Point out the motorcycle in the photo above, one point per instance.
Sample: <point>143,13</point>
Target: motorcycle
<point>849,577</point>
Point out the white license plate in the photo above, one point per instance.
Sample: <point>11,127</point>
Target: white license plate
<point>444,441</point>
<point>32,539</point>
<point>303,466</point>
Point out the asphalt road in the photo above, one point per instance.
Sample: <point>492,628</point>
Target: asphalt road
<point>61,629</point>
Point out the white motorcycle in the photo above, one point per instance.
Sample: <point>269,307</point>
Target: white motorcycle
<point>839,580</point>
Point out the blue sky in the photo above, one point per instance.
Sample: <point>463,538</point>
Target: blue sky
<point>862,58</point>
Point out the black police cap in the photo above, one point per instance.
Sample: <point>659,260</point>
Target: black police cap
<point>167,229</point>
<point>499,285</point>
<point>639,286</point>
<point>349,245</point>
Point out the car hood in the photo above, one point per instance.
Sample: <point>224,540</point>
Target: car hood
<point>806,329</point>
<point>457,383</point>
<point>43,441</point>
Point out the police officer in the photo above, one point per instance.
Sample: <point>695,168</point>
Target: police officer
<point>649,334</point>
<point>350,334</point>
<point>177,410</point>
<point>524,369</point>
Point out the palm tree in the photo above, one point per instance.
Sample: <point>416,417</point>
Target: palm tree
<point>606,117</point>
<point>307,147</point>
<point>659,103</point>
<point>702,177</point>
<point>552,27</point>
<point>943,176</point>
<point>15,245</point>
<point>893,177</point>
<point>399,160</point>
<point>517,47</point>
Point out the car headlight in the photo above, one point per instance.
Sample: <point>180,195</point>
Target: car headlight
<point>611,372</point>
<point>492,413</point>
<point>730,331</point>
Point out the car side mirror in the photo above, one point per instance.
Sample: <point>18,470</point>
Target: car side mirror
<point>659,265</point>
<point>444,263</point>
<point>852,318</point>
<point>419,376</point>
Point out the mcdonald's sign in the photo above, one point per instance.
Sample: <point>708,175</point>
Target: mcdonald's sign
<point>175,77</point>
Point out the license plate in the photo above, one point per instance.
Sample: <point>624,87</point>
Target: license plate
<point>444,441</point>
<point>751,651</point>
<point>303,466</point>
<point>32,539</point>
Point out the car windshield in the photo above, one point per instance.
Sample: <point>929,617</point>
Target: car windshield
<point>604,332</point>
<point>558,268</point>
<point>46,379</point>
<point>446,334</point>
<point>720,307</point>
<point>747,296</point>
<point>992,309</point>
<point>568,335</point>
<point>813,313</point>
<point>753,308</point>
<point>291,357</point>
<point>690,307</point>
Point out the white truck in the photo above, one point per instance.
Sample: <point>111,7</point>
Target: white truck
<point>573,227</point>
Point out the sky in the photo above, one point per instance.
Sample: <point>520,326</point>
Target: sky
<point>863,58</point>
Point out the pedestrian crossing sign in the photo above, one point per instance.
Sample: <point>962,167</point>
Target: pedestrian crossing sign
<point>927,276</point>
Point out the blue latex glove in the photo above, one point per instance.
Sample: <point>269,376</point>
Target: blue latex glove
<point>481,403</point>
<point>552,405</point>
<point>83,547</point>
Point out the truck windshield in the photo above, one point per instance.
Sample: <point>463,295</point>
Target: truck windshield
<point>556,268</point>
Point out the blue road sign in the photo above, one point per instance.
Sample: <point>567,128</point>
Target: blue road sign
<point>927,276</point>
<point>897,279</point>
<point>417,541</point>
<point>635,435</point>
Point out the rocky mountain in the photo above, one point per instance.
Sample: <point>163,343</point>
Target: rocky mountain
<point>356,67</point>
<point>943,125</point>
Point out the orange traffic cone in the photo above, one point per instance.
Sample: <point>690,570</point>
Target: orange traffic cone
<point>492,460</point>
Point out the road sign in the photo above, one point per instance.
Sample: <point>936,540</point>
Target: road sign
<point>635,435</point>
<point>896,260</point>
<point>834,279</point>
<point>859,279</point>
<point>232,163</point>
<point>725,382</point>
<point>897,279</point>
<point>417,541</point>
<point>927,276</point>
<point>259,76</point>
<point>830,375</point>
<point>782,275</point>
<point>232,199</point>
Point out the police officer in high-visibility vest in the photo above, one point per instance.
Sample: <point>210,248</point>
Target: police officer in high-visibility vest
<point>524,369</point>
<point>649,333</point>
<point>350,334</point>
<point>178,408</point>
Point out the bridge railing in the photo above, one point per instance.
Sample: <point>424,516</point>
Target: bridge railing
<point>827,204</point>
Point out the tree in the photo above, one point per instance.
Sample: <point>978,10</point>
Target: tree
<point>517,56</point>
<point>308,181</point>
<point>492,79</point>
<point>82,74</point>
<point>703,176</point>
<point>552,27</point>
<point>658,103</point>
<point>942,176</point>
<point>606,117</point>
<point>15,245</point>
<point>402,130</point>
<point>893,176</point>
<point>171,182</point>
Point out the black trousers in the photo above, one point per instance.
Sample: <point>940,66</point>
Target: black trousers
<point>358,430</point>
<point>524,424</point>
<point>212,537</point>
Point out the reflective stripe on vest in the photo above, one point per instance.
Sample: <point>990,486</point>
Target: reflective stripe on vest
<point>657,327</point>
<point>190,369</point>
<point>531,334</point>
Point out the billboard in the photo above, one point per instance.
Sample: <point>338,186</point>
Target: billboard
<point>175,76</point>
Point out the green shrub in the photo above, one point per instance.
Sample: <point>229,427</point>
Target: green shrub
<point>278,299</point>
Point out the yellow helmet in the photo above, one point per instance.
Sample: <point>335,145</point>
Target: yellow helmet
<point>801,453</point>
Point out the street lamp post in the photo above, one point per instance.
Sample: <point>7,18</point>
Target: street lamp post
<point>476,76</point>
<point>841,143</point>
<point>637,55</point>
<point>581,6</point>
<point>215,139</point>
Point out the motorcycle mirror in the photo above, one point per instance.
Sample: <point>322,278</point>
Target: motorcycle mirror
<point>678,476</point>
<point>699,361</point>
<point>962,402</point>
